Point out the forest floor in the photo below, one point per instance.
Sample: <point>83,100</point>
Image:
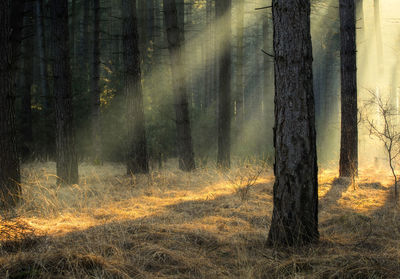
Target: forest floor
<point>205,224</point>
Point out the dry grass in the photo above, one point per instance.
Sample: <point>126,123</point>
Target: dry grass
<point>174,225</point>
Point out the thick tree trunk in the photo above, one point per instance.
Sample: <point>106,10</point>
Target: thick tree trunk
<point>9,163</point>
<point>96,122</point>
<point>137,157</point>
<point>348,164</point>
<point>67,164</point>
<point>223,14</point>
<point>295,214</point>
<point>175,42</point>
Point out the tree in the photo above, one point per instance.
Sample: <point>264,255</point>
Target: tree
<point>183,128</point>
<point>47,116</point>
<point>386,131</point>
<point>137,157</point>
<point>67,163</point>
<point>295,214</point>
<point>96,124</point>
<point>239,96</point>
<point>223,14</point>
<point>10,189</point>
<point>348,164</point>
<point>378,37</point>
<point>26,102</point>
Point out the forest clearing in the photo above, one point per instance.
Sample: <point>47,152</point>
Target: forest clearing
<point>171,224</point>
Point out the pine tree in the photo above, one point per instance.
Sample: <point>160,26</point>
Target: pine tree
<point>295,214</point>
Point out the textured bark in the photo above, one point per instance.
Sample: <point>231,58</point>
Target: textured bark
<point>348,164</point>
<point>183,129</point>
<point>223,12</point>
<point>295,214</point>
<point>9,164</point>
<point>137,157</point>
<point>96,122</point>
<point>67,164</point>
<point>26,148</point>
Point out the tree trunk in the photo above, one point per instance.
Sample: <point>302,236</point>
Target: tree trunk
<point>223,13</point>
<point>96,122</point>
<point>268,78</point>
<point>175,42</point>
<point>137,157</point>
<point>239,98</point>
<point>44,83</point>
<point>26,102</point>
<point>378,38</point>
<point>360,19</point>
<point>10,188</point>
<point>67,164</point>
<point>295,214</point>
<point>72,28</point>
<point>349,130</point>
<point>83,55</point>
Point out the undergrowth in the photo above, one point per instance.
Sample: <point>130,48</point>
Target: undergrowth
<point>170,224</point>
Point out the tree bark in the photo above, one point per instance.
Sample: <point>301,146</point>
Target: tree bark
<point>223,13</point>
<point>295,214</point>
<point>10,188</point>
<point>348,164</point>
<point>175,42</point>
<point>96,121</point>
<point>67,164</point>
<point>137,157</point>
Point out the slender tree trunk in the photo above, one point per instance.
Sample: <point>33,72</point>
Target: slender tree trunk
<point>44,82</point>
<point>349,130</point>
<point>268,65</point>
<point>223,14</point>
<point>137,157</point>
<point>239,65</point>
<point>295,214</point>
<point>67,164</point>
<point>72,28</point>
<point>96,121</point>
<point>83,55</point>
<point>378,37</point>
<point>175,42</point>
<point>26,102</point>
<point>360,19</point>
<point>17,20</point>
<point>10,189</point>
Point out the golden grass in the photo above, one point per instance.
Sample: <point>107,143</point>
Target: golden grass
<point>171,224</point>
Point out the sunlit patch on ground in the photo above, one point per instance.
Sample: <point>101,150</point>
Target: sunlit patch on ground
<point>201,225</point>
